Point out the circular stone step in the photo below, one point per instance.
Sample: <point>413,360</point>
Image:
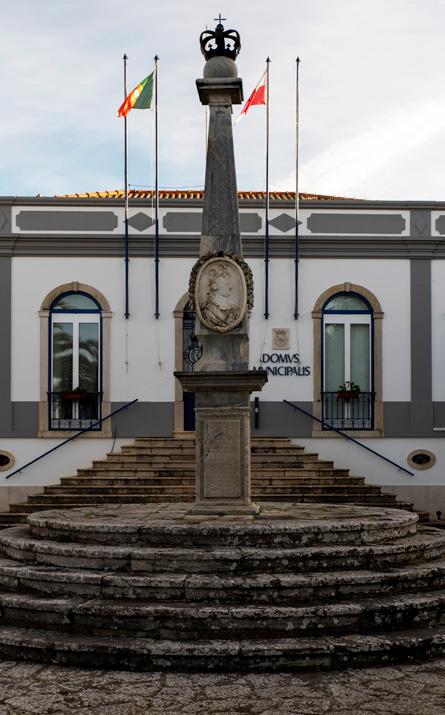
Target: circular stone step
<point>278,655</point>
<point>277,589</point>
<point>151,587</point>
<point>278,525</point>
<point>191,621</point>
<point>17,543</point>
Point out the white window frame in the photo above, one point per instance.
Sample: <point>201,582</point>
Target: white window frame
<point>348,319</point>
<point>75,319</point>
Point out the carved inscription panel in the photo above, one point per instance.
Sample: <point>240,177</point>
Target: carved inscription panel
<point>222,459</point>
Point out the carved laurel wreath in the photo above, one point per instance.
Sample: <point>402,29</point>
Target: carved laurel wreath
<point>220,254</point>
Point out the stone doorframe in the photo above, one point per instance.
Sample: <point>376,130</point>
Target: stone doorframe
<point>317,315</point>
<point>44,314</point>
<point>178,314</point>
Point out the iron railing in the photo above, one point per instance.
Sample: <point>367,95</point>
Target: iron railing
<point>74,410</point>
<point>70,439</point>
<point>348,437</point>
<point>348,410</point>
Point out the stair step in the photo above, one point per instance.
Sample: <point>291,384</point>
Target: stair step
<point>147,450</point>
<point>289,469</point>
<point>150,464</point>
<point>71,504</point>
<point>277,655</point>
<point>116,490</point>
<point>279,589</point>
<point>121,481</point>
<point>191,621</point>
<point>364,500</point>
<point>103,498</point>
<point>173,472</point>
<point>16,543</point>
<point>297,480</point>
<point>136,488</point>
<point>303,458</point>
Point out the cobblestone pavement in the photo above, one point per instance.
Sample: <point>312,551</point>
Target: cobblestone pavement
<point>404,690</point>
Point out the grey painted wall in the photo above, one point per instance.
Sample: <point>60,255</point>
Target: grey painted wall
<point>191,221</point>
<point>280,420</point>
<point>67,220</point>
<point>382,224</point>
<point>155,419</point>
<point>421,350</point>
<point>5,344</point>
<point>144,419</point>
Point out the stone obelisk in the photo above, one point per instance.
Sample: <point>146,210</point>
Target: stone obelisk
<point>221,290</point>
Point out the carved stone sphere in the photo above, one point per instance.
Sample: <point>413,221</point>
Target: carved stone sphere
<point>220,67</point>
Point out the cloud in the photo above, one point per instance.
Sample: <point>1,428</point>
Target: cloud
<point>357,162</point>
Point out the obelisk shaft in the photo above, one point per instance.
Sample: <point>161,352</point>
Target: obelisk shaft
<point>220,221</point>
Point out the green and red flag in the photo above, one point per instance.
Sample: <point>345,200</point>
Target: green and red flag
<point>139,98</point>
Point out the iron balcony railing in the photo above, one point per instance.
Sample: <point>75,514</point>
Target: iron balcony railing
<point>74,410</point>
<point>348,410</point>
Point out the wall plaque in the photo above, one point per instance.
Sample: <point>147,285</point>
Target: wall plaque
<point>280,339</point>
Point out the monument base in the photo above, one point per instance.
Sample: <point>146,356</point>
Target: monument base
<point>222,410</point>
<point>223,509</point>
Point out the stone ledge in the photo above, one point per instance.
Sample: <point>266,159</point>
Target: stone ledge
<point>278,525</point>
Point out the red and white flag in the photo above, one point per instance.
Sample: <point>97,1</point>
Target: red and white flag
<point>258,96</point>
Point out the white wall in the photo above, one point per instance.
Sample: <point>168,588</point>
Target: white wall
<point>142,348</point>
<point>61,463</point>
<point>347,455</point>
<point>389,280</point>
<point>142,352</point>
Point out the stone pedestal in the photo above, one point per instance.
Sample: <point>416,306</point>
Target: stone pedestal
<point>222,408</point>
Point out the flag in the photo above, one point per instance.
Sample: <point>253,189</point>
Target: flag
<point>258,96</point>
<point>139,98</point>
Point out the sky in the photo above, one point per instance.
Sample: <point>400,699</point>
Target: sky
<point>372,95</point>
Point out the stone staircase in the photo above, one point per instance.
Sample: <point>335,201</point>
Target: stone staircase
<point>163,470</point>
<point>146,587</point>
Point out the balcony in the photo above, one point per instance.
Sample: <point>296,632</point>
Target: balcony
<point>355,412</point>
<point>74,410</point>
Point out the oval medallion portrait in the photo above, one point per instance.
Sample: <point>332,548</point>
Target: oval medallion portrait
<point>220,294</point>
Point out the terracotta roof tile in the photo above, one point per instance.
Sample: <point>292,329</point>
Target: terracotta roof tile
<point>199,194</point>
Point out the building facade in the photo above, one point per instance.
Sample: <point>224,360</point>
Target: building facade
<point>365,354</point>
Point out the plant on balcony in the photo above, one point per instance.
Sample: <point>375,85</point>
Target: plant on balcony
<point>76,394</point>
<point>348,391</point>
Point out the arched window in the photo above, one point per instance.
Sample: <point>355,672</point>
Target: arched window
<point>348,390</point>
<point>348,360</point>
<point>75,365</point>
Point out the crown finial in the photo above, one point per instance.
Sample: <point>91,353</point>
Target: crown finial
<point>220,42</point>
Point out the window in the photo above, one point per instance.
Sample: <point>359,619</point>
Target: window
<point>347,362</point>
<point>75,365</point>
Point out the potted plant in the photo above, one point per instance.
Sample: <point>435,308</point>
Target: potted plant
<point>76,394</point>
<point>348,391</point>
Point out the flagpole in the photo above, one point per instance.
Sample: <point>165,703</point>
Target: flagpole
<point>297,194</point>
<point>156,58</point>
<point>266,235</point>
<point>126,262</point>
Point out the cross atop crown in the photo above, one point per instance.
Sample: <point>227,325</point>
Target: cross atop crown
<point>220,19</point>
